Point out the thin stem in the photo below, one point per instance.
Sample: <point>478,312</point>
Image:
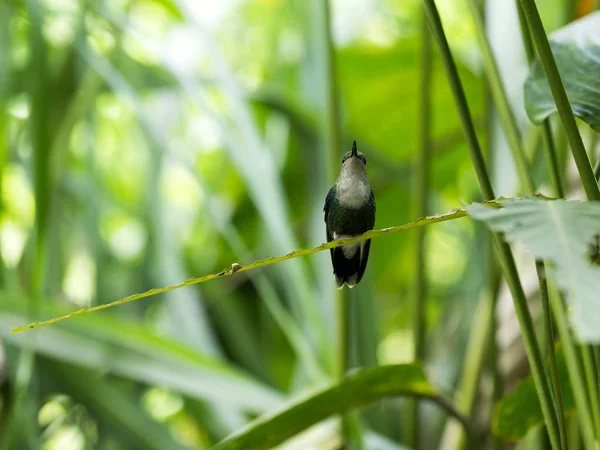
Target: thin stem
<point>550,153</point>
<point>562,428</point>
<point>505,256</point>
<point>547,138</point>
<point>507,116</point>
<point>560,98</point>
<point>592,385</point>
<point>552,158</point>
<point>422,200</point>
<point>334,143</point>
<point>574,369</point>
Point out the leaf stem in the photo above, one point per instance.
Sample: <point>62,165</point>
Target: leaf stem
<point>560,98</point>
<point>558,398</point>
<point>507,116</point>
<point>592,385</point>
<point>505,256</point>
<point>334,144</point>
<point>574,369</point>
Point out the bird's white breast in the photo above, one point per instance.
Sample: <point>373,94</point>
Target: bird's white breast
<point>353,192</point>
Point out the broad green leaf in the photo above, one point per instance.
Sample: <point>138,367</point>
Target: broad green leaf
<point>520,411</point>
<point>559,232</point>
<point>108,344</point>
<point>576,48</point>
<point>360,389</point>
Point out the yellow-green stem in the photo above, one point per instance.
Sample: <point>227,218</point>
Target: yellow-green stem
<point>504,253</point>
<point>421,201</point>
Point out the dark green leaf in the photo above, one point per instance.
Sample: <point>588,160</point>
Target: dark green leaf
<point>576,49</point>
<point>357,390</point>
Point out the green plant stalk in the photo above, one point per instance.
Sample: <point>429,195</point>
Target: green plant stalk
<point>507,116</point>
<point>558,398</point>
<point>551,156</point>
<point>547,138</point>
<point>511,130</point>
<point>560,98</point>
<point>550,153</point>
<point>574,369</point>
<point>421,201</point>
<point>592,384</point>
<point>334,143</point>
<point>504,253</point>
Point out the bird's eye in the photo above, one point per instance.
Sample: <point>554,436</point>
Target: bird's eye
<point>364,160</point>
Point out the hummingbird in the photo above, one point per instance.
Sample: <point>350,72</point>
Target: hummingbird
<point>349,212</point>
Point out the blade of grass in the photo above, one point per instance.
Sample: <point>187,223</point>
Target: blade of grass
<point>363,387</point>
<point>592,384</point>
<point>504,253</point>
<point>109,345</point>
<point>576,374</point>
<point>344,341</point>
<point>498,92</point>
<point>23,406</point>
<point>549,335</point>
<point>421,203</point>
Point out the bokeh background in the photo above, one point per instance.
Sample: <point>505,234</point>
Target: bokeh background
<point>143,142</point>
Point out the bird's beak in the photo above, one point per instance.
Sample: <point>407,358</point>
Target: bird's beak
<point>354,151</point>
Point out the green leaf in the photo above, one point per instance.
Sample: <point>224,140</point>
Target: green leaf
<point>576,48</point>
<point>359,389</point>
<point>559,232</point>
<point>111,345</point>
<point>112,403</point>
<point>520,411</point>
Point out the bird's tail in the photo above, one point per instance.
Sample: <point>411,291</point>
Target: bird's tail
<point>346,270</point>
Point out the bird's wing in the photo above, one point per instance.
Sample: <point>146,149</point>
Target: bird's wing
<point>366,245</point>
<point>364,258</point>
<point>371,220</point>
<point>328,201</point>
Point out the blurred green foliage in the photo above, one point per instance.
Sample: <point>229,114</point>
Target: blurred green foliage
<point>143,142</point>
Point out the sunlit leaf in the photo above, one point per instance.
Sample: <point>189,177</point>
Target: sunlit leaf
<point>559,232</point>
<point>576,48</point>
<point>357,390</point>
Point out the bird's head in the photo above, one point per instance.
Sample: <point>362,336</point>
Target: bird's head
<point>354,160</point>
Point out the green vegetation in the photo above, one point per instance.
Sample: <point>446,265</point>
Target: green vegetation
<point>163,278</point>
